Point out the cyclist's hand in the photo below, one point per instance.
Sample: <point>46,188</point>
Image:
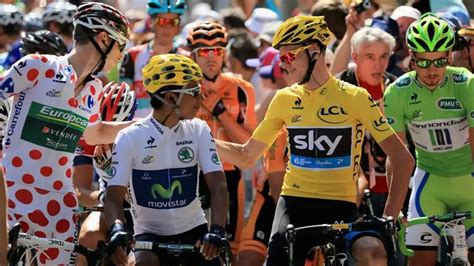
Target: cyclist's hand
<point>213,103</point>
<point>119,241</point>
<point>212,242</point>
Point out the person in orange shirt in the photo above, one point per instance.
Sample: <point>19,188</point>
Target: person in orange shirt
<point>228,109</point>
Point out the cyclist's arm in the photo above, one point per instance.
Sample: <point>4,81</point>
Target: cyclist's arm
<point>113,205</point>
<point>275,179</point>
<point>82,178</point>
<point>3,221</point>
<point>242,155</point>
<point>104,132</point>
<point>22,75</point>
<point>219,198</point>
<point>471,141</point>
<point>402,164</point>
<point>241,132</point>
<point>362,184</point>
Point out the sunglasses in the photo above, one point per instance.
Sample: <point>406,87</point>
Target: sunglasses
<point>209,51</point>
<point>194,91</point>
<point>167,22</point>
<point>122,47</point>
<point>425,63</point>
<point>289,56</point>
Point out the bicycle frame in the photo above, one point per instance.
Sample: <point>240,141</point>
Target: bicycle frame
<point>448,220</point>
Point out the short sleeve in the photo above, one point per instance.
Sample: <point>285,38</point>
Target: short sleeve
<point>208,159</point>
<point>394,108</point>
<point>122,153</point>
<point>371,117</point>
<point>22,75</point>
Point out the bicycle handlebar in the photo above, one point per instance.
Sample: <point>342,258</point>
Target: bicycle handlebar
<point>16,238</point>
<point>444,218</point>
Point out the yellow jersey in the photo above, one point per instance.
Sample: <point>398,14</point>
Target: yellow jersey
<point>326,128</point>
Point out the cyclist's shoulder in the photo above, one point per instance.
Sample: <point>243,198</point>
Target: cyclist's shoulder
<point>458,76</point>
<point>235,79</point>
<point>405,82</point>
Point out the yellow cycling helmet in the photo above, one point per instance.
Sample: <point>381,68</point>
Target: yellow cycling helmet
<point>302,29</point>
<point>169,69</point>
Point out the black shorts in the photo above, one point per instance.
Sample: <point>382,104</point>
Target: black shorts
<point>303,212</point>
<point>189,237</point>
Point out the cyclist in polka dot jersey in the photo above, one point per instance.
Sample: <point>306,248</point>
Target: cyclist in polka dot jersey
<point>55,102</point>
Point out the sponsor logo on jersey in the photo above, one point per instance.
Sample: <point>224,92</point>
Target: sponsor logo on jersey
<point>59,78</point>
<point>297,105</point>
<point>296,119</point>
<point>403,82</point>
<point>15,114</point>
<point>332,114</point>
<point>439,124</point>
<point>215,159</point>
<point>53,93</point>
<point>53,128</point>
<point>186,142</point>
<point>459,78</point>
<point>416,114</point>
<point>185,155</point>
<point>359,137</point>
<point>148,159</point>
<point>380,124</point>
<point>372,102</point>
<point>320,148</point>
<point>414,98</point>
<point>450,104</point>
<point>165,188</point>
<point>7,86</point>
<point>149,143</point>
<point>472,114</point>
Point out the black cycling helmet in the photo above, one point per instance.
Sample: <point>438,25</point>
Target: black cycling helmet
<point>93,17</point>
<point>42,42</point>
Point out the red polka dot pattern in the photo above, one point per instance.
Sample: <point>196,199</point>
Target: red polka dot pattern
<point>62,226</point>
<point>46,171</point>
<point>49,73</point>
<point>49,255</point>
<point>28,179</point>
<point>24,196</point>
<point>11,204</point>
<point>17,161</point>
<point>24,226</point>
<point>44,59</point>
<point>68,173</point>
<point>93,118</point>
<point>35,154</point>
<point>40,234</point>
<point>32,74</point>
<point>38,217</point>
<point>92,90</point>
<point>41,191</point>
<point>58,184</point>
<point>73,102</point>
<point>53,207</point>
<point>69,200</point>
<point>62,161</point>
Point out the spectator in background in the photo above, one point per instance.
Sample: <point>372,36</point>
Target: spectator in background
<point>464,56</point>
<point>11,21</point>
<point>334,13</point>
<point>239,49</point>
<point>265,37</point>
<point>166,19</point>
<point>232,18</point>
<point>58,17</point>
<point>390,26</point>
<point>259,17</point>
<point>404,16</point>
<point>32,22</point>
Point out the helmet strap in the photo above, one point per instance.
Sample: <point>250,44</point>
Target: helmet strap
<point>175,107</point>
<point>311,65</point>
<point>103,55</point>
<point>469,57</point>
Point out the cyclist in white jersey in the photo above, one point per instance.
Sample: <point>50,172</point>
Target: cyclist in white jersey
<point>159,160</point>
<point>54,103</point>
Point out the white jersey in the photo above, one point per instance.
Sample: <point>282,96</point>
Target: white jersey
<point>46,121</point>
<point>161,167</point>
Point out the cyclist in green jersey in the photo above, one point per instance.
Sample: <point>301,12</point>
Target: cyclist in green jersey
<point>435,103</point>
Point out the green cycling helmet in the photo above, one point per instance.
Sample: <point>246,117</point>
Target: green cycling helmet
<point>430,33</point>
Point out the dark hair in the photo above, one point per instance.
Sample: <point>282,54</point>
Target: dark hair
<point>64,29</point>
<point>334,14</point>
<point>81,34</point>
<point>233,17</point>
<point>157,104</point>
<point>243,48</point>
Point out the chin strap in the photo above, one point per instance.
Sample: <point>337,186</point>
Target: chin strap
<point>311,65</point>
<point>103,55</point>
<point>175,107</point>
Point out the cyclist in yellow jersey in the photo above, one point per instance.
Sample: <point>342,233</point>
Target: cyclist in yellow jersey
<point>326,119</point>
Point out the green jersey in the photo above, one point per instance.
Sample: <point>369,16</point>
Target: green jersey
<point>438,120</point>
